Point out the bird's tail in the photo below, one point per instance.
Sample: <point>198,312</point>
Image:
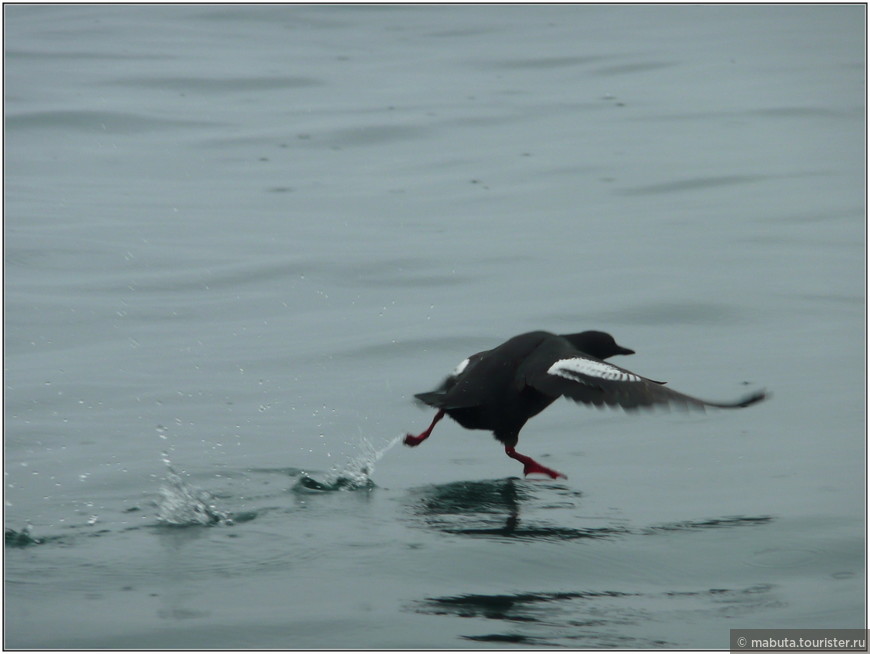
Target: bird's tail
<point>432,398</point>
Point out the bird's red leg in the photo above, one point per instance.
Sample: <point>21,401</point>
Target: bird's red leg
<point>414,441</point>
<point>530,465</point>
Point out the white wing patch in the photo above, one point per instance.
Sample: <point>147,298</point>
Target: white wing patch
<point>460,368</point>
<point>568,367</point>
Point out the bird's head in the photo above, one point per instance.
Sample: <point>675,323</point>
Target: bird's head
<point>601,345</point>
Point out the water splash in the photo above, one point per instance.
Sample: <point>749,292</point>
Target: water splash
<point>182,505</point>
<point>354,475</point>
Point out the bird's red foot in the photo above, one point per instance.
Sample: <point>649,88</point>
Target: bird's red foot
<point>534,466</point>
<point>414,441</point>
<point>530,465</point>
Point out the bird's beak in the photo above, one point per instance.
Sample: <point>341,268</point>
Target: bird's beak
<point>624,350</point>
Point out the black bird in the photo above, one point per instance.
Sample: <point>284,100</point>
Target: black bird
<point>500,389</point>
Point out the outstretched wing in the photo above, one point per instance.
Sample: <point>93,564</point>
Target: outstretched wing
<point>565,371</point>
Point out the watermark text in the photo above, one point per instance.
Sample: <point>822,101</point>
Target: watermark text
<point>798,640</point>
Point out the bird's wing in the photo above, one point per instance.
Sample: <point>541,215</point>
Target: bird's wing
<point>564,371</point>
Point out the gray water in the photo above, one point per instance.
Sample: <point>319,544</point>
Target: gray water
<point>239,238</point>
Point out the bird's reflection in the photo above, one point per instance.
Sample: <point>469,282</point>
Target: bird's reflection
<point>493,508</point>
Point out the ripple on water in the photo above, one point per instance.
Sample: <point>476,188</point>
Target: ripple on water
<point>97,121</point>
<point>595,618</point>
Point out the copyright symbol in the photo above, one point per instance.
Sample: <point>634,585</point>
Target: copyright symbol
<point>741,642</point>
